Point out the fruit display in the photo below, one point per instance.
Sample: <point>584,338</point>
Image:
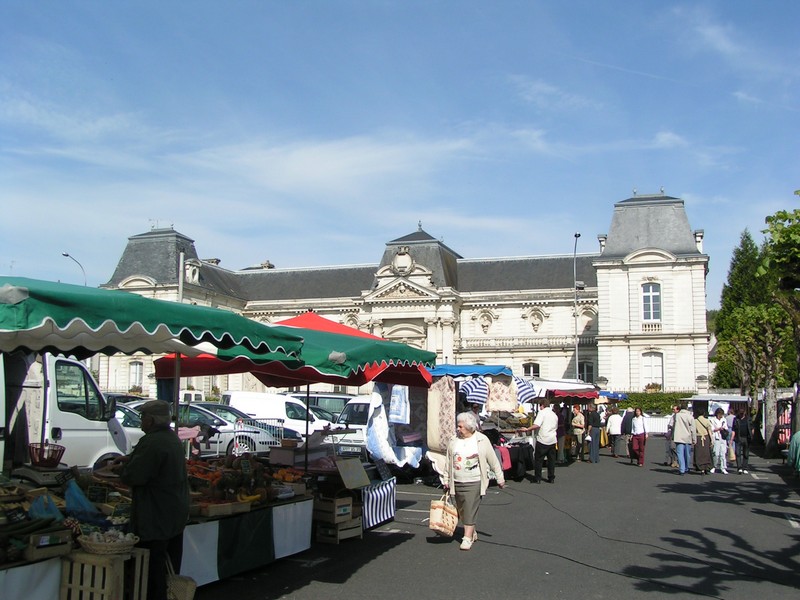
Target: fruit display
<point>233,481</point>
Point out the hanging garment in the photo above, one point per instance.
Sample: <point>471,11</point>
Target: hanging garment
<point>399,406</point>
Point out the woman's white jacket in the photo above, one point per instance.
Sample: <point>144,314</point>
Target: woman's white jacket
<point>487,459</point>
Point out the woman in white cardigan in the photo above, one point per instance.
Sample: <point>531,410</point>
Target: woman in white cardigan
<point>470,458</point>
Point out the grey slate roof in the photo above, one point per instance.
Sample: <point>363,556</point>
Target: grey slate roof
<point>325,282</point>
<point>656,221</point>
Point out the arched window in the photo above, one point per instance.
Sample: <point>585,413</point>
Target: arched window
<point>530,369</point>
<point>651,302</point>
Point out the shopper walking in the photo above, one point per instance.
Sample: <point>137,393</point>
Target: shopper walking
<point>578,429</point>
<point>719,433</point>
<point>546,427</point>
<point>593,427</point>
<point>703,446</point>
<point>470,457</point>
<point>614,430</point>
<point>638,437</point>
<point>670,456</point>
<point>684,435</point>
<point>742,436</point>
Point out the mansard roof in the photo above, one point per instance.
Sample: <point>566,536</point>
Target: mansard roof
<point>653,221</point>
<point>156,254</point>
<point>430,252</point>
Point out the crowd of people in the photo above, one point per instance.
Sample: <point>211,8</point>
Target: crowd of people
<point>565,433</point>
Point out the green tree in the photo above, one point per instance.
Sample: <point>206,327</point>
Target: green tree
<point>742,288</point>
<point>757,338</point>
<point>781,268</point>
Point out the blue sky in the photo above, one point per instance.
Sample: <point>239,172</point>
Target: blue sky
<point>311,133</point>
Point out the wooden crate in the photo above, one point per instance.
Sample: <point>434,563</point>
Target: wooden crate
<point>333,510</point>
<point>48,544</point>
<point>86,576</point>
<point>329,533</point>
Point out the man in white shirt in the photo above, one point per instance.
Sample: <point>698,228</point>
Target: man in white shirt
<point>545,425</point>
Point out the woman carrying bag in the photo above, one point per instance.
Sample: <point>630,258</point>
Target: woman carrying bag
<point>470,458</point>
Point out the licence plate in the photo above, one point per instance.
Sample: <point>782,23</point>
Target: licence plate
<point>350,449</point>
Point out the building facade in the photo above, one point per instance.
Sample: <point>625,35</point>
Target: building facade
<point>634,312</point>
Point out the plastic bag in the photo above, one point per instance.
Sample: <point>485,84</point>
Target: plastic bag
<point>78,505</point>
<point>43,507</point>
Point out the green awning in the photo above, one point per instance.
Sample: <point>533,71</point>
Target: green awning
<point>81,321</point>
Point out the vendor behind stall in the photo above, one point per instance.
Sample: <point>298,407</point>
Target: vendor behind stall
<point>156,472</point>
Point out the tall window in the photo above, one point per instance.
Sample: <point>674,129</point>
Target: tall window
<point>653,368</point>
<point>135,374</point>
<point>530,369</point>
<point>651,302</point>
<point>586,371</point>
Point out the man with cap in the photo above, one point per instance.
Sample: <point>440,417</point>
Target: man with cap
<point>156,473</point>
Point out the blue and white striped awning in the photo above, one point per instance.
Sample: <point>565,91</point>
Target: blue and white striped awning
<point>477,390</point>
<point>525,390</point>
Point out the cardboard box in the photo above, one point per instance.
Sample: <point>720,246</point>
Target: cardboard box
<point>334,533</point>
<point>333,510</point>
<point>299,488</point>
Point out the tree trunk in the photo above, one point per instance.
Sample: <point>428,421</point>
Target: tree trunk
<point>771,449</point>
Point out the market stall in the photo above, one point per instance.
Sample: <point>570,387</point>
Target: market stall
<point>46,317</point>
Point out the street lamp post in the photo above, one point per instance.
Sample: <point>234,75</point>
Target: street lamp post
<point>575,303</point>
<point>68,255</point>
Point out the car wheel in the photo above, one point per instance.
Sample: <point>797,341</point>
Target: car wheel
<point>241,445</point>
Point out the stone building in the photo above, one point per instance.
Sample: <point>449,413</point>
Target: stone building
<point>637,311</point>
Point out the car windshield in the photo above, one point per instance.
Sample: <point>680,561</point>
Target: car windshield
<point>355,414</point>
<point>322,413</point>
<point>128,417</point>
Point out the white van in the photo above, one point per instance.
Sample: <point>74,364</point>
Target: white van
<point>261,405</point>
<point>53,399</point>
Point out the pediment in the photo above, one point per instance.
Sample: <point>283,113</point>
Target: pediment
<point>137,281</point>
<point>401,289</point>
<point>649,255</point>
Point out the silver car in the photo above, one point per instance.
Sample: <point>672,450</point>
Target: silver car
<point>225,430</point>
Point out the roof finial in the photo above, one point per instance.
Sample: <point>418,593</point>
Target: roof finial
<point>662,189</point>
<point>419,225</point>
<point>634,191</point>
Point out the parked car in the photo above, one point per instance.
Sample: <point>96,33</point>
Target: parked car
<point>220,435</point>
<point>131,421</point>
<point>333,402</point>
<point>229,413</point>
<point>355,416</point>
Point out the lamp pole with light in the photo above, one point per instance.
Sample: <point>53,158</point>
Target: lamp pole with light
<point>68,255</point>
<point>575,303</point>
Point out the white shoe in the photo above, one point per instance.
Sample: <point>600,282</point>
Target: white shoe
<point>724,472</point>
<point>466,543</point>
<point>713,471</point>
<point>744,471</point>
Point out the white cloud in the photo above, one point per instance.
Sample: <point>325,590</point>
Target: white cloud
<point>547,96</point>
<point>669,140</point>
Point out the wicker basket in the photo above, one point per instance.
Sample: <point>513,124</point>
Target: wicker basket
<point>45,455</point>
<point>106,547</point>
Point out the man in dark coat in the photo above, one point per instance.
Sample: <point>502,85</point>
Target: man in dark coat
<point>156,473</point>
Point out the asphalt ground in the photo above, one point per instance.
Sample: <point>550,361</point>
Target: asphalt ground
<point>605,530</point>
